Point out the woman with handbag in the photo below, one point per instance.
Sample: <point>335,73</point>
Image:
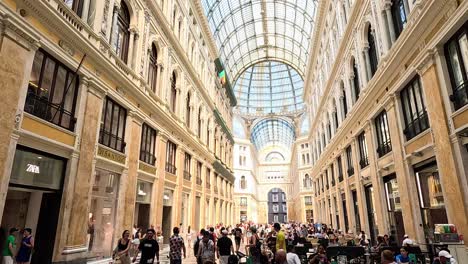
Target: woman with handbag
<point>121,255</point>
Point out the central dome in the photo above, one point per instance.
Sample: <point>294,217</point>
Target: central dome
<point>269,87</point>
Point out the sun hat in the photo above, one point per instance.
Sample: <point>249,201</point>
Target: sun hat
<point>444,253</point>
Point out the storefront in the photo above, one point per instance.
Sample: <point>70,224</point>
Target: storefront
<point>102,214</point>
<point>168,200</point>
<point>431,198</point>
<point>371,214</point>
<point>34,197</point>
<point>143,205</point>
<point>395,216</point>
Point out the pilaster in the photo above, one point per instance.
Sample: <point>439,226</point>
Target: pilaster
<point>161,145</point>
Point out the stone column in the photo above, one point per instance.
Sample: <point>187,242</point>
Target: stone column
<point>450,176</point>
<point>84,178</point>
<point>390,27</point>
<point>401,170</point>
<point>130,181</point>
<point>17,49</point>
<point>161,142</point>
<point>368,62</point>
<point>177,206</point>
<point>131,41</point>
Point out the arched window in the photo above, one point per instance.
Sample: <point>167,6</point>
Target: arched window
<point>208,133</point>
<point>307,181</point>
<point>344,101</point>
<point>215,139</point>
<point>121,35</point>
<point>399,16</point>
<point>188,110</point>
<point>335,116</point>
<point>153,68</point>
<point>372,51</point>
<point>356,82</point>
<point>199,127</point>
<point>173,92</point>
<point>242,183</point>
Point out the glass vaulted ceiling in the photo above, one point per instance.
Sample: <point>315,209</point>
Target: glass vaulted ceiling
<point>248,31</point>
<point>269,87</point>
<point>273,132</point>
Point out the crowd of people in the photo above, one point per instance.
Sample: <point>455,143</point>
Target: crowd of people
<point>263,243</point>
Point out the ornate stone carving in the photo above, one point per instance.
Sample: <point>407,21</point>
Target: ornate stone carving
<point>66,47</point>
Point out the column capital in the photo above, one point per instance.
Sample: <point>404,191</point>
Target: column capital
<point>95,89</point>
<point>387,5</point>
<point>428,60</point>
<point>15,30</point>
<point>136,116</point>
<point>163,136</point>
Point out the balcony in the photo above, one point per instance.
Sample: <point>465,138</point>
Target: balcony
<point>364,162</point>
<point>340,177</point>
<point>350,172</point>
<point>418,125</point>
<point>199,181</point>
<point>187,175</point>
<point>50,112</point>
<point>460,96</point>
<point>333,182</point>
<point>147,157</point>
<point>171,168</point>
<point>383,149</point>
<point>112,141</point>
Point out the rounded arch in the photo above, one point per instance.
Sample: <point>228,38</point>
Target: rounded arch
<point>274,156</point>
<point>131,12</point>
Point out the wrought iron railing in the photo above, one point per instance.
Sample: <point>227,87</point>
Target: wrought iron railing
<point>383,149</point>
<point>199,181</point>
<point>418,125</point>
<point>187,175</point>
<point>53,113</point>
<point>364,162</point>
<point>147,157</point>
<point>171,168</point>
<point>460,96</point>
<point>112,141</point>
<point>350,172</point>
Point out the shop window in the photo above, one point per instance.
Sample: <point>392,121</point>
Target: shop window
<point>52,91</point>
<point>144,190</point>
<point>431,198</point>
<point>153,68</point>
<point>121,34</point>
<point>171,157</point>
<point>363,154</point>
<point>456,53</point>
<point>384,144</point>
<point>113,121</point>
<point>349,161</point>
<point>101,221</point>
<point>398,16</point>
<point>148,145</point>
<point>414,109</point>
<point>392,194</point>
<point>32,168</point>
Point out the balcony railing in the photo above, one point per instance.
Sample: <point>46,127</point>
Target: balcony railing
<point>171,168</point>
<point>308,203</point>
<point>364,162</point>
<point>418,125</point>
<point>208,185</point>
<point>340,177</point>
<point>147,157</point>
<point>53,113</point>
<point>112,141</point>
<point>460,96</point>
<point>199,181</point>
<point>383,149</point>
<point>187,175</point>
<point>350,172</point>
<point>333,182</point>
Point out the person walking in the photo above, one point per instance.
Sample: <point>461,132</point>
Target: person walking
<point>255,246</point>
<point>224,248</point>
<point>280,237</point>
<point>206,251</point>
<point>26,248</point>
<point>121,254</point>
<point>9,250</point>
<point>237,236</point>
<point>149,248</point>
<point>176,245</point>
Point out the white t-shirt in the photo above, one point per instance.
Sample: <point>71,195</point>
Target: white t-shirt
<point>407,241</point>
<point>293,258</point>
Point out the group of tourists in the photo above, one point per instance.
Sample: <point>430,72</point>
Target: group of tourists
<point>15,251</point>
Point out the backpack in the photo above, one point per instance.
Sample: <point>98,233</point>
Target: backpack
<point>196,246</point>
<point>233,259</point>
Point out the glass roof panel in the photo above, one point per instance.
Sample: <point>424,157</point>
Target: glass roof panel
<point>269,87</point>
<point>248,31</point>
<point>273,132</point>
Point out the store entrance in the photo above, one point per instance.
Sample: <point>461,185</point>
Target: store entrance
<point>166,223</point>
<point>38,210</point>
